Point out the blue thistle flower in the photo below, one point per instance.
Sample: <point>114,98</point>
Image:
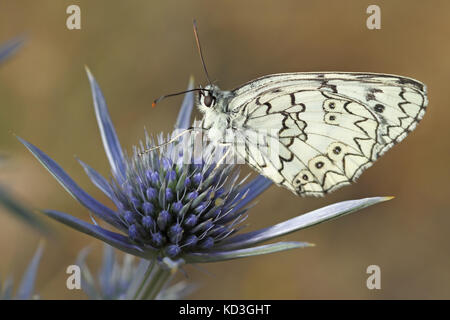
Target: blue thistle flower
<point>119,279</point>
<point>167,209</point>
<point>26,287</point>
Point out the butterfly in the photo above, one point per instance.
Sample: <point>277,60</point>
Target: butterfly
<point>329,126</point>
<point>311,132</point>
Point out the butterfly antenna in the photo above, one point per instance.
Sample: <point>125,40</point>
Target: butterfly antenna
<point>175,94</point>
<point>199,47</point>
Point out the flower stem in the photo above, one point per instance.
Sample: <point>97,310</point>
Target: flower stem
<point>157,276</point>
<point>162,277</point>
<point>145,279</point>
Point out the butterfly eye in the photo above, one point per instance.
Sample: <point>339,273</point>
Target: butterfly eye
<point>208,100</point>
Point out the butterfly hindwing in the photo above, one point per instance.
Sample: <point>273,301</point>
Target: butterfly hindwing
<point>329,126</point>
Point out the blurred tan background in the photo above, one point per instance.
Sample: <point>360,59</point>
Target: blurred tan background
<point>139,50</point>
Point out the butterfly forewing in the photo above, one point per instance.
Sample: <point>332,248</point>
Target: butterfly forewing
<point>329,126</point>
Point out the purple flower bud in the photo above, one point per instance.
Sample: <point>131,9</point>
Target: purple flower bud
<point>154,177</point>
<point>201,207</point>
<point>174,229</point>
<point>175,233</point>
<point>171,175</point>
<point>190,221</point>
<point>198,178</point>
<point>136,202</point>
<point>173,250</point>
<point>176,207</point>
<point>207,243</point>
<point>208,225</point>
<point>192,195</point>
<point>150,193</point>
<point>133,232</point>
<point>129,217</point>
<point>157,239</point>
<point>148,222</point>
<point>148,208</point>
<point>187,182</point>
<point>191,241</point>
<point>163,219</point>
<point>169,194</point>
<point>148,174</point>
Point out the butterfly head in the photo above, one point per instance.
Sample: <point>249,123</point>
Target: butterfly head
<point>211,98</point>
<point>207,98</point>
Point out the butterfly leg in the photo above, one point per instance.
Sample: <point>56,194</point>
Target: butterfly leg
<point>188,130</point>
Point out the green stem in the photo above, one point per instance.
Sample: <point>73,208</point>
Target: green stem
<point>156,278</point>
<point>145,280</point>
<point>162,276</point>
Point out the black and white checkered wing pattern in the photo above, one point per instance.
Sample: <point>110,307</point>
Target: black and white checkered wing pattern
<point>329,126</point>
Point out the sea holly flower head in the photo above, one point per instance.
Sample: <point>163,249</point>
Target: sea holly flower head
<point>176,204</point>
<point>169,208</point>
